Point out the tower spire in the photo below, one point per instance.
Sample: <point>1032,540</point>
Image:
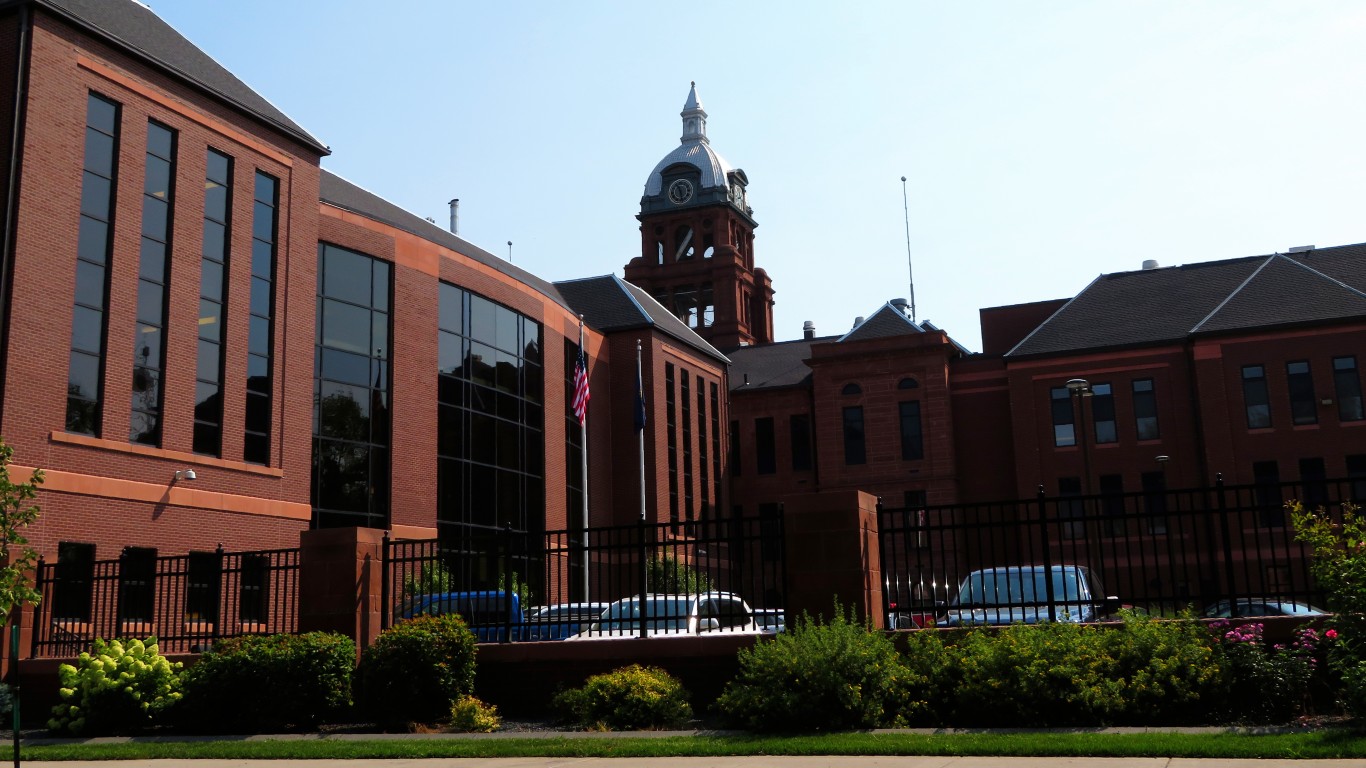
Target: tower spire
<point>694,118</point>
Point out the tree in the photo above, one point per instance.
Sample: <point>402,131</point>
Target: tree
<point>17,512</point>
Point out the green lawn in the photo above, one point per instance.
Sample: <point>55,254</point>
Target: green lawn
<point>1321,744</point>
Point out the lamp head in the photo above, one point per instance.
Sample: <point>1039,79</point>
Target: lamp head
<point>1078,385</point>
<point>185,474</point>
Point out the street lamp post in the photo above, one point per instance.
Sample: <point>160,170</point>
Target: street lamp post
<point>1081,388</point>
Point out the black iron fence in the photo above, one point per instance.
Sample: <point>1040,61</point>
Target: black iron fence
<point>186,601</point>
<point>1223,549</point>
<point>523,586</point>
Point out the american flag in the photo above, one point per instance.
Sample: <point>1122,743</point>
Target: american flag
<point>581,387</point>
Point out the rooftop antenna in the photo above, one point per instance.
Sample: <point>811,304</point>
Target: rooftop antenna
<point>509,251</point>
<point>906,208</point>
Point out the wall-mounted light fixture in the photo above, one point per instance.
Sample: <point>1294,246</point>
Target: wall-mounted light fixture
<point>184,474</point>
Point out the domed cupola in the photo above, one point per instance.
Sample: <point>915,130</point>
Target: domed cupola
<point>697,241</point>
<point>693,173</point>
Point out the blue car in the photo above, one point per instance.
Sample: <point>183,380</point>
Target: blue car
<point>556,622</point>
<point>495,616</point>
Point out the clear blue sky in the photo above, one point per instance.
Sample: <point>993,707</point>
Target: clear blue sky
<point>1043,143</point>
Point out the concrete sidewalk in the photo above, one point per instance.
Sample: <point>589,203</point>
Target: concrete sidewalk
<point>727,763</point>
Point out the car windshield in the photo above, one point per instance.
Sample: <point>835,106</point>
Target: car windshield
<point>1017,586</point>
<point>660,613</point>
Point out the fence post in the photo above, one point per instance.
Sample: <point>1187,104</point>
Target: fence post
<point>385,587</point>
<point>1228,543</point>
<point>1047,555</point>
<point>218,593</point>
<point>41,610</point>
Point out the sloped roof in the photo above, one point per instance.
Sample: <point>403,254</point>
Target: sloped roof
<point>770,366</point>
<point>887,321</point>
<point>610,304</point>
<point>136,29</point>
<point>338,192</point>
<point>1170,304</point>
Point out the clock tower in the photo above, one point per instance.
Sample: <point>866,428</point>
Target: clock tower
<point>697,242</point>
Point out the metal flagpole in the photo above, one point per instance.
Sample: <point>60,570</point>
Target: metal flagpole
<point>583,438</point>
<point>644,548</point>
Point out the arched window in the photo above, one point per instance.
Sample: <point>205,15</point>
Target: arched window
<point>851,389</point>
<point>684,245</point>
<point>659,245</point>
<point>908,383</point>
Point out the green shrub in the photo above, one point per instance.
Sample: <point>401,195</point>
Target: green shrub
<point>629,698</point>
<point>470,715</point>
<point>1339,566</point>
<point>1063,674</point>
<point>431,579</point>
<point>121,687</point>
<point>416,669</point>
<point>268,683</point>
<point>832,676</point>
<point>667,575</point>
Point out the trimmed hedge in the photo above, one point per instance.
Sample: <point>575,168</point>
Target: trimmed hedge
<point>631,698</point>
<point>416,669</point>
<point>268,684</point>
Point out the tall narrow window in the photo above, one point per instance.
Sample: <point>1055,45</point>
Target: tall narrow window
<point>1348,385</point>
<point>213,271</point>
<point>1112,504</point>
<point>1064,428</point>
<point>253,590</point>
<point>149,343</point>
<point>203,578</point>
<point>671,430</point>
<point>1313,483</point>
<point>716,443</point>
<point>685,395</point>
<point>261,331</point>
<point>1300,382</point>
<point>1255,398</point>
<point>1356,472</point>
<point>765,449</point>
<point>137,584</point>
<point>702,468</point>
<point>1145,410</point>
<point>799,424</point>
<point>735,449</point>
<point>85,376</point>
<point>1103,413</point>
<point>1155,500</point>
<point>912,438</point>
<point>855,451</point>
<point>1071,509</point>
<point>1267,477</point>
<point>351,435</point>
<point>74,590</point>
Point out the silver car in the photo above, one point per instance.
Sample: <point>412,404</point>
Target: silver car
<point>674,615</point>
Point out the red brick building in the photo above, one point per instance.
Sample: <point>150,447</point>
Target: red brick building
<point>210,340</point>
<point>184,289</point>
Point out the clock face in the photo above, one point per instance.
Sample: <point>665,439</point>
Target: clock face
<point>680,191</point>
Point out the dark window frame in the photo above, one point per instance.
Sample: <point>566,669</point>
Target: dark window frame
<point>855,436</point>
<point>1256,397</point>
<point>912,430</point>
<point>1347,388</point>
<point>1146,421</point>
<point>1299,383</point>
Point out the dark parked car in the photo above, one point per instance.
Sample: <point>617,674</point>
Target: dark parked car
<point>1019,593</point>
<point>1261,606</point>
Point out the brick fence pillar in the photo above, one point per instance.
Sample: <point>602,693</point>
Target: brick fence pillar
<point>340,574</point>
<point>832,554</point>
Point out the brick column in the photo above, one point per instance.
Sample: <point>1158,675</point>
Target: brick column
<point>832,553</point>
<point>340,573</point>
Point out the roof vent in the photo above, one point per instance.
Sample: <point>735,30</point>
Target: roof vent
<point>901,304</point>
<point>455,216</point>
<point>858,321</point>
<point>1301,248</point>
<point>1150,263</point>
<point>808,330</point>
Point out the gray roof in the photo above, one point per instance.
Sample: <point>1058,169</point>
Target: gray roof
<point>133,27</point>
<point>887,321</point>
<point>1171,304</point>
<point>771,366</point>
<point>336,191</point>
<point>610,304</point>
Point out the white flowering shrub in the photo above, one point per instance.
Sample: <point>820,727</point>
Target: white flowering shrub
<point>119,688</point>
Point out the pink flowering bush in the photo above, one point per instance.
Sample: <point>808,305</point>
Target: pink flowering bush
<point>1267,683</point>
<point>1337,541</point>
